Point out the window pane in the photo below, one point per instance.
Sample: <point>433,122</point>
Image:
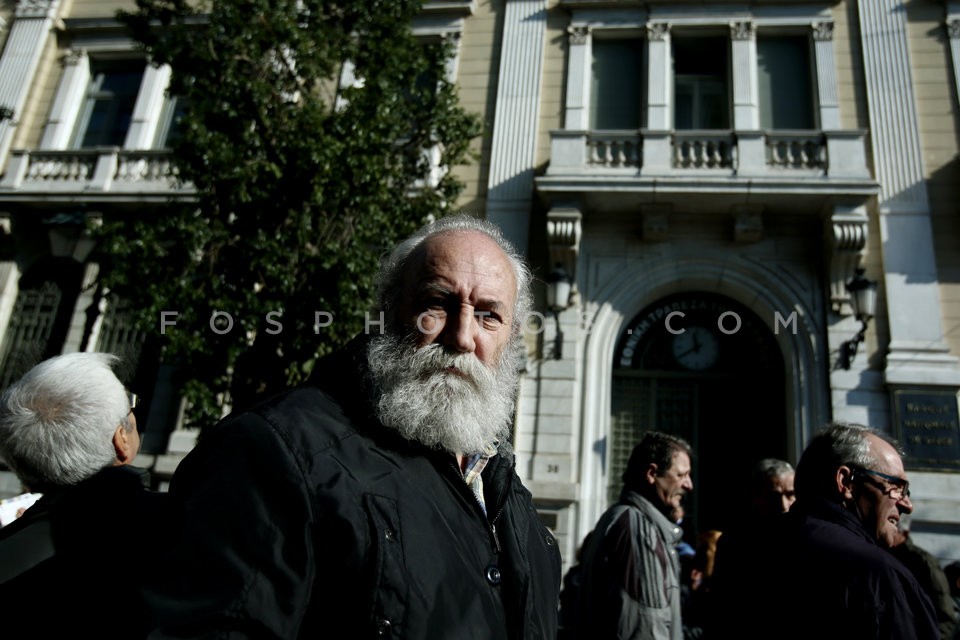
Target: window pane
<point>616,96</point>
<point>784,83</point>
<point>108,109</point>
<point>701,83</point>
<point>168,128</point>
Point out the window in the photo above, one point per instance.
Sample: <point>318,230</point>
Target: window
<point>701,83</point>
<point>616,95</point>
<point>107,108</point>
<point>168,127</point>
<point>784,82</point>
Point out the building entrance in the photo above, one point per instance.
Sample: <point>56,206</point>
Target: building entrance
<point>706,368</point>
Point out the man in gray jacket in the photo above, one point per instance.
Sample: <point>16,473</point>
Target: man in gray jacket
<point>630,585</point>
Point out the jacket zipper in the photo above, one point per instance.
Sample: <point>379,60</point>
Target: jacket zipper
<point>492,527</point>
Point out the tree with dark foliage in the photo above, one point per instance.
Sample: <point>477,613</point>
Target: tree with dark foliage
<point>302,179</point>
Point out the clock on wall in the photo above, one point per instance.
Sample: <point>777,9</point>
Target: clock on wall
<point>697,348</point>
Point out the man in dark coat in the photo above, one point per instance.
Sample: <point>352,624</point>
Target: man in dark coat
<point>69,566</point>
<point>381,499</point>
<point>829,577</point>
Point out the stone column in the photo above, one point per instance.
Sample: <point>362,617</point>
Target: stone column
<point>32,23</point>
<point>515,121</point>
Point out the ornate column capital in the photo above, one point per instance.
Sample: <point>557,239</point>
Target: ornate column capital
<point>36,8</point>
<point>953,27</point>
<point>578,33</point>
<point>743,30</point>
<point>823,31</point>
<point>658,31</point>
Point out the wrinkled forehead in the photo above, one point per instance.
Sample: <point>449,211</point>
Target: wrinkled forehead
<point>466,258</point>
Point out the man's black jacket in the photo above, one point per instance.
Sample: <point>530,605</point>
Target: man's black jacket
<point>824,577</point>
<point>306,518</point>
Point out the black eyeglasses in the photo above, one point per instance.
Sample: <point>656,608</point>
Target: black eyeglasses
<point>899,490</point>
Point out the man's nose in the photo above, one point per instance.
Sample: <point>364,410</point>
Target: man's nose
<point>460,333</point>
<point>904,504</point>
<point>785,503</point>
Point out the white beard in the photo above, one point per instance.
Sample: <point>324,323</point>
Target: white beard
<point>462,411</point>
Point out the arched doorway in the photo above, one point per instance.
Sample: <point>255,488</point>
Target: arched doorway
<point>705,367</point>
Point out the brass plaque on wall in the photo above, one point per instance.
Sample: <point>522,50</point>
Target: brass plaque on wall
<point>927,424</point>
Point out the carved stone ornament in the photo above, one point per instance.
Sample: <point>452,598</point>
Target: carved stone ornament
<point>564,231</point>
<point>656,226</point>
<point>73,57</point>
<point>846,232</point>
<point>36,8</point>
<point>658,31</point>
<point>578,33</point>
<point>823,31</point>
<point>748,225</point>
<point>742,30</point>
<point>953,27</point>
<point>451,37</point>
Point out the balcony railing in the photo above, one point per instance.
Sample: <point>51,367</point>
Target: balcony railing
<point>779,155</point>
<point>704,150</point>
<point>105,170</point>
<point>614,149</point>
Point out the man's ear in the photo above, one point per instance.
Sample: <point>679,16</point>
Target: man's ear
<point>650,475</point>
<point>123,445</point>
<point>844,480</point>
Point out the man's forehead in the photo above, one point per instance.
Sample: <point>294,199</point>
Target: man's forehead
<point>885,454</point>
<point>470,255</point>
<point>680,461</point>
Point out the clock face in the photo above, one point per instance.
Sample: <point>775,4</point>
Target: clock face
<point>696,348</point>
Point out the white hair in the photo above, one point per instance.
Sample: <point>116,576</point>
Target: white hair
<point>393,265</point>
<point>57,422</point>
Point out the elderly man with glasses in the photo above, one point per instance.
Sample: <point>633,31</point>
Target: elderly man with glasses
<point>830,566</point>
<point>70,565</point>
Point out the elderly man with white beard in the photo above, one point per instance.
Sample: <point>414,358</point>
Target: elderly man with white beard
<point>381,499</point>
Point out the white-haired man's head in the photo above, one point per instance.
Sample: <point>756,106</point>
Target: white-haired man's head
<point>454,296</point>
<point>66,419</point>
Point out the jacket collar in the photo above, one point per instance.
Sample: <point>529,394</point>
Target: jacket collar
<point>822,509</point>
<point>670,531</point>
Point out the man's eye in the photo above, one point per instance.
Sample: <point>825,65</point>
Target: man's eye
<point>489,319</point>
<point>435,304</point>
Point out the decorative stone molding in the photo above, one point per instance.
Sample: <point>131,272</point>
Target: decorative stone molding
<point>453,37</point>
<point>656,223</point>
<point>823,31</point>
<point>564,232</point>
<point>578,33</point>
<point>658,31</point>
<point>953,27</point>
<point>36,8</point>
<point>846,237</point>
<point>73,57</point>
<point>743,30</point>
<point>748,224</point>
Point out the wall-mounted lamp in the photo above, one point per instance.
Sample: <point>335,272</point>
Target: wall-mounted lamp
<point>69,236</point>
<point>863,298</point>
<point>558,299</point>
